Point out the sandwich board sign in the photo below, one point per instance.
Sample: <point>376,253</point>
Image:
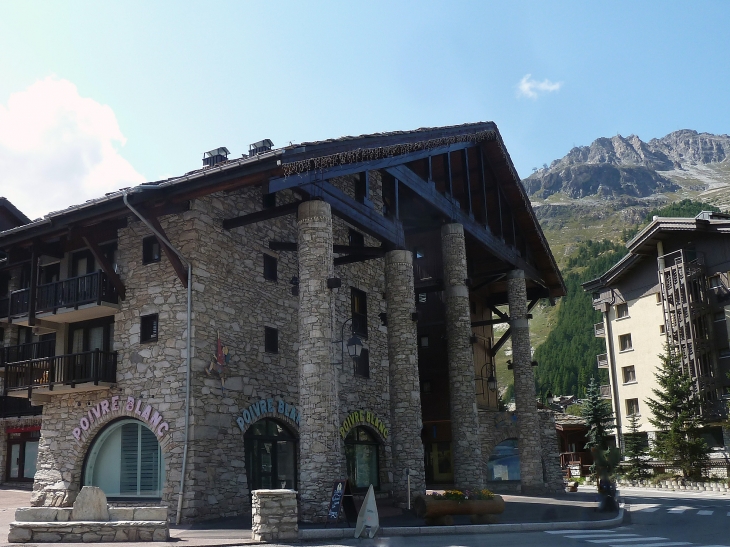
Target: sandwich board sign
<point>368,519</point>
<point>341,499</point>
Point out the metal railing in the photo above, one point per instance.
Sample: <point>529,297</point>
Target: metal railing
<point>76,368</point>
<point>68,293</point>
<point>11,407</point>
<point>602,360</point>
<point>27,352</point>
<point>599,330</point>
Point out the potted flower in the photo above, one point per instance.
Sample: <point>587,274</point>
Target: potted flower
<point>439,508</point>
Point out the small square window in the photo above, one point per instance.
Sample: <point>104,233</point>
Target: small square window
<point>362,364</point>
<point>150,250</point>
<point>270,267</point>
<point>424,341</point>
<point>622,310</point>
<point>148,328</point>
<point>359,312</point>
<point>632,407</point>
<point>662,329</point>
<point>422,297</point>
<point>356,239</point>
<point>271,340</point>
<point>658,298</point>
<point>268,201</point>
<point>624,342</point>
<point>629,374</point>
<point>714,281</point>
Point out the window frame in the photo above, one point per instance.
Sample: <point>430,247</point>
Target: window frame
<point>634,402</point>
<point>628,370</point>
<point>622,311</point>
<point>147,336</point>
<point>621,338</point>
<point>271,267</point>
<point>359,311</point>
<point>271,340</point>
<point>148,250</point>
<point>362,364</point>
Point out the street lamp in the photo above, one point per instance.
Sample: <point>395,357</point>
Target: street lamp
<point>354,344</point>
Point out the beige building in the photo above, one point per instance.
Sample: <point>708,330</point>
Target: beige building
<point>671,288</point>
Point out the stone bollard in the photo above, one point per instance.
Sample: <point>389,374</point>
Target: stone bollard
<point>274,515</point>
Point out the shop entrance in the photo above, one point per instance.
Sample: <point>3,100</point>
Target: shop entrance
<point>22,455</point>
<point>271,451</point>
<point>363,459</point>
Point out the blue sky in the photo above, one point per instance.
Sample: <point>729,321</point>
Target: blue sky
<point>95,96</point>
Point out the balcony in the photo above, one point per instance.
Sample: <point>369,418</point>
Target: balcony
<point>86,371</point>
<point>602,360</point>
<point>599,330</point>
<point>13,407</point>
<point>79,298</point>
<point>27,352</point>
<point>605,392</point>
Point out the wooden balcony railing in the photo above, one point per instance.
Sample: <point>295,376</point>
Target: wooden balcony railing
<point>27,352</point>
<point>11,407</point>
<point>67,370</point>
<point>599,330</point>
<point>583,458</point>
<point>68,293</point>
<point>602,360</point>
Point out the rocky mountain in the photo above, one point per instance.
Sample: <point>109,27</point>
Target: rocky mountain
<point>627,166</point>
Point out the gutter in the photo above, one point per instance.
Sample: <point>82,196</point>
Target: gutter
<point>188,342</point>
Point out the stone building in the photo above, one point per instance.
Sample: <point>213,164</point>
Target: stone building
<point>283,320</point>
<point>670,289</point>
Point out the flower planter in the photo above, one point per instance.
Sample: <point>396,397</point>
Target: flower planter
<point>440,512</point>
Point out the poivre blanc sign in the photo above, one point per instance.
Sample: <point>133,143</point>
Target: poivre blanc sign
<point>146,414</point>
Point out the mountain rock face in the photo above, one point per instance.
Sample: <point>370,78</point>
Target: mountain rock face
<point>627,166</point>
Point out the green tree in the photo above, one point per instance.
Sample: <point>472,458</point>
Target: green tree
<point>635,451</point>
<point>676,415</point>
<point>598,416</point>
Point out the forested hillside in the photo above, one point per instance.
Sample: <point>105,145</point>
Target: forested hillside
<point>567,358</point>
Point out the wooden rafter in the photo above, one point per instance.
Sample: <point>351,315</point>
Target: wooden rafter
<point>259,216</point>
<point>177,265</point>
<point>339,249</point>
<point>106,266</point>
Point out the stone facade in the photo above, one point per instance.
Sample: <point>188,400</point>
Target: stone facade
<point>466,448</point>
<point>405,402</point>
<point>531,472</point>
<point>274,516</point>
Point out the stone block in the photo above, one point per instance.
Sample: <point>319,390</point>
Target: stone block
<point>90,505</point>
<point>160,534</point>
<point>19,535</point>
<point>46,537</point>
<point>121,513</point>
<point>150,513</point>
<point>63,514</point>
<point>36,514</point>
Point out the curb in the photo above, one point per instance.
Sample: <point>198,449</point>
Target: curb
<point>346,533</point>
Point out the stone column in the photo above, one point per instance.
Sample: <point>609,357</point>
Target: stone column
<point>405,393</point>
<point>319,442</point>
<point>465,442</point>
<point>528,422</point>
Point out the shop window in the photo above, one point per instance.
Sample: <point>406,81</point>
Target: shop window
<point>271,340</point>
<point>359,312</point>
<point>629,374</point>
<point>270,267</point>
<point>624,342</point>
<point>504,462</point>
<point>268,201</point>
<point>126,461</point>
<point>150,250</point>
<point>632,407</point>
<point>149,325</point>
<point>362,364</point>
<point>361,454</point>
<point>622,311</point>
<point>271,451</point>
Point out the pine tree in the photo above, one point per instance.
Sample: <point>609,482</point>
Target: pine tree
<point>635,452</point>
<point>598,416</point>
<point>676,414</point>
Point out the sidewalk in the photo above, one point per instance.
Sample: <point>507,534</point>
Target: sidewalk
<point>522,513</point>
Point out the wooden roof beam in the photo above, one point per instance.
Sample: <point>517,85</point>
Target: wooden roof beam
<point>106,266</point>
<point>260,216</point>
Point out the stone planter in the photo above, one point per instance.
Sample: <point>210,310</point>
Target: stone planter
<point>440,512</point>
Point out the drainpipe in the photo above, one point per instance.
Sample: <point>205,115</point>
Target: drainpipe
<point>612,365</point>
<point>169,245</point>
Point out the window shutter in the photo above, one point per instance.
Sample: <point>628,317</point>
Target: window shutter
<point>129,459</point>
<point>149,471</point>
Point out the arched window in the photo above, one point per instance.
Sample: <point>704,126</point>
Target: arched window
<point>361,453</point>
<point>504,462</point>
<point>125,460</point>
<point>271,455</point>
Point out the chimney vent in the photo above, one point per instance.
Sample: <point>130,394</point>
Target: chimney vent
<point>260,147</point>
<point>215,156</point>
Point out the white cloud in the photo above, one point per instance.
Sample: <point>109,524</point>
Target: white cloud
<point>532,88</point>
<point>59,149</point>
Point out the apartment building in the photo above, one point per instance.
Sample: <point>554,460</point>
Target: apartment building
<point>284,319</point>
<point>671,288</point>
